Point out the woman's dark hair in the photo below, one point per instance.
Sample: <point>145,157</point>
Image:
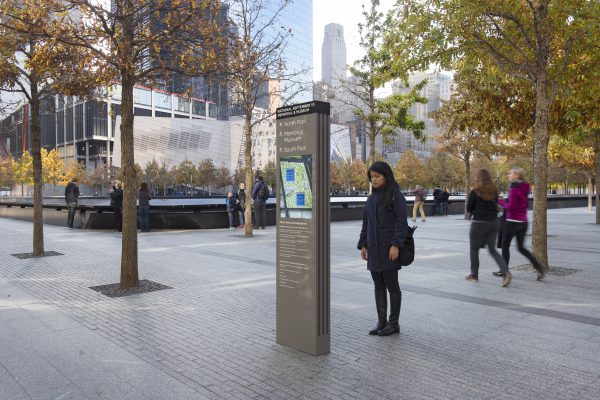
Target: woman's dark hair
<point>484,187</point>
<point>384,169</point>
<point>144,186</point>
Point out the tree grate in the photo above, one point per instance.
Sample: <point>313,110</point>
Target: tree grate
<point>556,271</point>
<point>23,256</point>
<point>114,289</point>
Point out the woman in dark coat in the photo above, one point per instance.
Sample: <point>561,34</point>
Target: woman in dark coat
<point>116,202</point>
<point>482,204</point>
<point>384,231</point>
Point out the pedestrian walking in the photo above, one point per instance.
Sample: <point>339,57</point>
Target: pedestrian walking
<point>231,208</point>
<point>445,201</point>
<point>420,196</point>
<point>260,194</point>
<point>515,223</point>
<point>116,203</point>
<point>71,198</point>
<point>241,203</point>
<point>482,204</point>
<point>144,207</point>
<point>383,232</point>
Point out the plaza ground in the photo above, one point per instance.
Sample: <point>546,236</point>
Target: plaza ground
<point>212,336</point>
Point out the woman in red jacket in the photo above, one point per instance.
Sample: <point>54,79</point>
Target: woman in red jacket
<point>516,219</point>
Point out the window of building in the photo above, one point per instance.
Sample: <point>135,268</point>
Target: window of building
<point>115,92</point>
<point>162,100</point>
<point>142,96</point>
<point>199,107</point>
<point>183,104</point>
<point>212,110</point>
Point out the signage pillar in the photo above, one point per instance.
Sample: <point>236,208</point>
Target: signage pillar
<point>303,218</point>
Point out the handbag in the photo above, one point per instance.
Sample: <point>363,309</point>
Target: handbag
<point>407,251</point>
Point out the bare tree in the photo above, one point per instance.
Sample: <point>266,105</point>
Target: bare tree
<point>257,71</point>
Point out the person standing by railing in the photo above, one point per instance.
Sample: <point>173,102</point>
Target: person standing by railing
<point>71,197</point>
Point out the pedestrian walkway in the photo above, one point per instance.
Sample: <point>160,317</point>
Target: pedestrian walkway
<point>212,336</point>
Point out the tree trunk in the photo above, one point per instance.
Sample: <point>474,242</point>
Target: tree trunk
<point>38,218</point>
<point>597,173</point>
<point>248,173</point>
<point>590,190</point>
<point>129,247</point>
<point>540,201</point>
<point>372,152</point>
<point>467,161</point>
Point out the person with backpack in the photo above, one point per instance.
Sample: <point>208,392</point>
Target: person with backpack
<point>420,196</point>
<point>71,198</point>
<point>260,194</point>
<point>384,231</point>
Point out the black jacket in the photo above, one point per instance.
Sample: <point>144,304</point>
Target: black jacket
<point>383,225</point>
<point>241,198</point>
<point>480,209</point>
<point>144,198</point>
<point>437,194</point>
<point>71,193</point>
<point>116,198</point>
<point>257,185</point>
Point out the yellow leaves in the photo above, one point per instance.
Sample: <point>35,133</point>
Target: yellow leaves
<point>571,155</point>
<point>52,167</point>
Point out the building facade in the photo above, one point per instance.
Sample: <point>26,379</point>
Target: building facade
<point>438,89</point>
<point>84,130</point>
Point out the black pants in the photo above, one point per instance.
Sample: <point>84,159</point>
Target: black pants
<point>261,215</point>
<point>484,233</point>
<point>118,218</point>
<point>386,280</point>
<point>518,229</point>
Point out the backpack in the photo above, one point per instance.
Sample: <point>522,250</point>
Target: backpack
<point>264,192</point>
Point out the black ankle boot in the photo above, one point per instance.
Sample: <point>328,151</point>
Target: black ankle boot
<point>393,326</point>
<point>381,304</point>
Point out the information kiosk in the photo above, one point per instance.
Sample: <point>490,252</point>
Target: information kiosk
<point>303,276</point>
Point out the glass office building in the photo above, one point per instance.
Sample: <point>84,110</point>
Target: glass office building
<point>297,16</point>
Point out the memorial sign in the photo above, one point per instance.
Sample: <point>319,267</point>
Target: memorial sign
<point>303,217</point>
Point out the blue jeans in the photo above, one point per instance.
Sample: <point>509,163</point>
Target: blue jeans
<point>144,213</point>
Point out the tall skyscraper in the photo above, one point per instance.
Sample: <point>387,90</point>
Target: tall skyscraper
<point>333,54</point>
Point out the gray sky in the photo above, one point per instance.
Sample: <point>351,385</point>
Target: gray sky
<point>344,12</point>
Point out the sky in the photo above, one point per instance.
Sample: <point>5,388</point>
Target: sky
<point>344,12</point>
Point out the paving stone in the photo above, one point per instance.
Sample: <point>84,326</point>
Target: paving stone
<point>213,336</point>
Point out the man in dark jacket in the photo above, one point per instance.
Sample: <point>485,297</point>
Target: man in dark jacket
<point>71,196</point>
<point>260,202</point>
<point>437,200</point>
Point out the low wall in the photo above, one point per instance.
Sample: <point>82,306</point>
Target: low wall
<point>211,214</point>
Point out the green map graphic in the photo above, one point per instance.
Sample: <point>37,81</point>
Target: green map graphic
<point>298,193</point>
